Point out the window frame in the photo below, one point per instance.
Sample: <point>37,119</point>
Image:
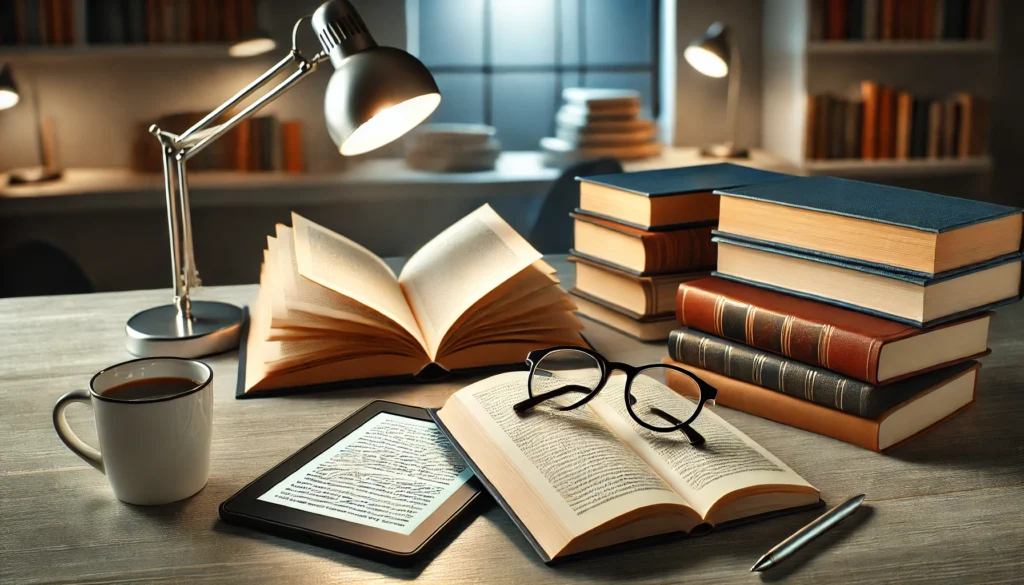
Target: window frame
<point>488,69</point>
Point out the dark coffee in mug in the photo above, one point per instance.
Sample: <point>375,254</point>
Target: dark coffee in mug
<point>150,388</point>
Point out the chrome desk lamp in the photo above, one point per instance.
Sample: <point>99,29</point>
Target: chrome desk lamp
<point>375,95</point>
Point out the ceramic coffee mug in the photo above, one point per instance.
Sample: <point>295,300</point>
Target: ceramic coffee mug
<point>152,450</point>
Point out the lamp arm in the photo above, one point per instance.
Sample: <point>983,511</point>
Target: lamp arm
<point>177,149</point>
<point>733,96</point>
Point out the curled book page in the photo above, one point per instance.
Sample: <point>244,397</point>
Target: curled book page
<point>459,267</point>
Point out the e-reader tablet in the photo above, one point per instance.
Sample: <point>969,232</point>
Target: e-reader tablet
<point>383,483</point>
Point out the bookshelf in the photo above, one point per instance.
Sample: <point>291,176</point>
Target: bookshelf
<point>119,51</point>
<point>798,63</point>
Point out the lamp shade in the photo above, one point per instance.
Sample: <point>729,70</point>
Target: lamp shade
<point>255,44</point>
<point>709,54</point>
<point>9,95</point>
<point>376,94</point>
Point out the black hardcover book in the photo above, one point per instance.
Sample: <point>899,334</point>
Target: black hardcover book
<point>797,379</point>
<point>919,131</point>
<point>955,19</point>
<point>855,20</point>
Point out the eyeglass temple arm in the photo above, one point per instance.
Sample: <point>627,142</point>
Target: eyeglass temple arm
<point>521,407</point>
<point>694,437</point>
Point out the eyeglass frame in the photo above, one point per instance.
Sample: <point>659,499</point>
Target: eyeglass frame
<point>708,393</point>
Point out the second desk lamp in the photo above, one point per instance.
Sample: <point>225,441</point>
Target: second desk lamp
<point>375,95</point>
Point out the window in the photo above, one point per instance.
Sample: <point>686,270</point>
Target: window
<point>505,62</point>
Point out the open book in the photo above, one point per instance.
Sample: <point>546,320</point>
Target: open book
<point>328,310</point>
<point>591,477</point>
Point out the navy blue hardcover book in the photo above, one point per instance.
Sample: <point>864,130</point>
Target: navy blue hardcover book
<point>917,210</point>
<point>682,180</point>
<point>921,280</point>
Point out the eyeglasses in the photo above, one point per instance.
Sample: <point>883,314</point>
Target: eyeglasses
<point>578,375</point>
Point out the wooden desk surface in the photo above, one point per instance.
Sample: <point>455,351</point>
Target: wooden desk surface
<point>946,507</point>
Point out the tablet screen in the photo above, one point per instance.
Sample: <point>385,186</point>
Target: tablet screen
<point>391,473</point>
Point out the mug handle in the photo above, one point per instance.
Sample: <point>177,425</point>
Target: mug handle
<point>70,439</point>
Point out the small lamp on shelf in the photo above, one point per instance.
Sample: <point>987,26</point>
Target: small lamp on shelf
<point>713,55</point>
<point>10,96</point>
<point>375,95</point>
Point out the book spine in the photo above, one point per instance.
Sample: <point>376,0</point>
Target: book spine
<point>787,410</point>
<point>886,123</point>
<point>810,127</point>
<point>838,15</point>
<point>770,371</point>
<point>855,20</point>
<point>963,147</point>
<point>935,130</point>
<point>842,351</point>
<point>679,251</point>
<point>919,134</point>
<point>291,139</point>
<point>870,20</point>
<point>975,19</point>
<point>955,19</point>
<point>887,20</point>
<point>926,20</point>
<point>836,127</point>
<point>869,128</point>
<point>816,20</point>
<point>821,129</point>
<point>904,121</point>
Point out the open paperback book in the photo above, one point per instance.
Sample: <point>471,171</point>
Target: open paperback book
<point>329,310</point>
<point>591,477</point>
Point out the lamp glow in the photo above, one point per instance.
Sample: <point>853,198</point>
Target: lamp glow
<point>256,45</point>
<point>8,99</point>
<point>390,124</point>
<point>706,62</point>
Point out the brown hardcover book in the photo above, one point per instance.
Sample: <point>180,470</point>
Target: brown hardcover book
<point>45,34</point>
<point>183,20</point>
<point>642,328</point>
<point>476,295</point>
<point>863,347</point>
<point>593,478</point>
<point>291,139</point>
<point>838,19</point>
<point>909,16</point>
<point>904,123</point>
<point>246,17</point>
<point>152,21</point>
<point>643,252</point>
<point>810,127</point>
<point>231,33</point>
<point>967,119</point>
<point>200,21</point>
<point>255,149</point>
<point>950,123</point>
<point>243,140</point>
<point>646,296</point>
<point>822,134</point>
<point>68,24</point>
<point>926,20</point>
<point>816,19</point>
<point>215,22</point>
<point>902,422</point>
<point>886,123</point>
<point>934,129</point>
<point>975,19</point>
<point>55,24</point>
<point>869,91</point>
<point>887,20</point>
<point>19,21</point>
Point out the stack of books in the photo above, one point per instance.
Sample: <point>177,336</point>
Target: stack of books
<point>452,148</point>
<point>848,309</point>
<point>596,123</point>
<point>639,235</point>
<point>886,123</point>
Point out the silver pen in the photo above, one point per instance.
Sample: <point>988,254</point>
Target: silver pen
<point>808,533</point>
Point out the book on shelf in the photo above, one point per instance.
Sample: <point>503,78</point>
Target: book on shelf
<point>328,310</point>
<point>580,480</point>
<point>952,390</point>
<point>862,347</point>
<point>642,252</point>
<point>665,198</point>
<point>164,21</point>
<point>907,297</point>
<point>902,20</point>
<point>792,377</point>
<point>916,231</point>
<point>654,328</point>
<point>647,296</point>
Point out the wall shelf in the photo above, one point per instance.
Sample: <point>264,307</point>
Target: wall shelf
<point>899,168</point>
<point>123,51</point>
<point>900,47</point>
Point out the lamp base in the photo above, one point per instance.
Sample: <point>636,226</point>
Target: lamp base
<point>724,150</point>
<point>214,328</point>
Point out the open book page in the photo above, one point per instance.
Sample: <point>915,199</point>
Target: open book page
<point>345,267</point>
<point>579,472</point>
<point>459,267</point>
<point>729,461</point>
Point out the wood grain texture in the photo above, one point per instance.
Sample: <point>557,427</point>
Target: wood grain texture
<point>942,508</point>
